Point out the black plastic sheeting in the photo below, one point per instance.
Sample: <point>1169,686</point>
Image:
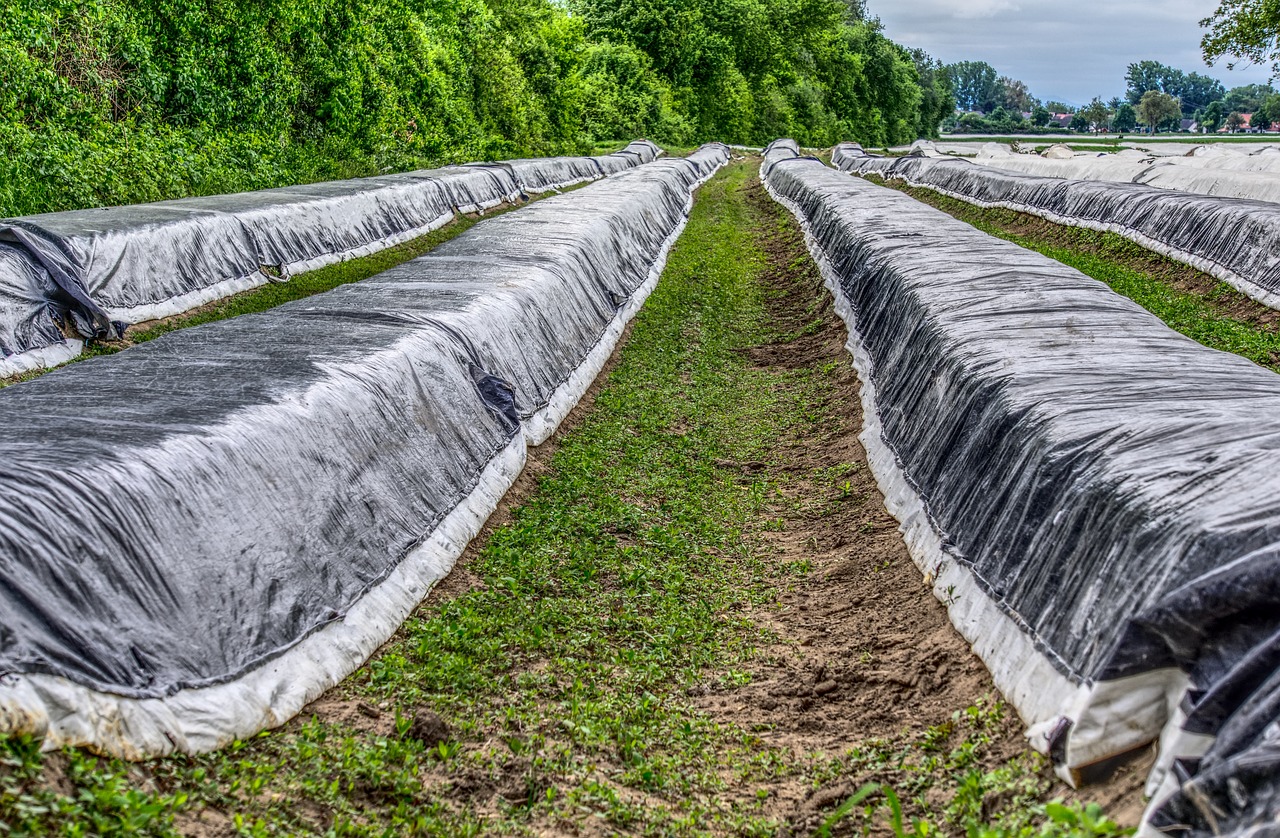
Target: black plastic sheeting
<point>777,151</point>
<point>121,265</point>
<point>29,311</point>
<point>1108,484</point>
<point>178,514</point>
<point>1233,239</point>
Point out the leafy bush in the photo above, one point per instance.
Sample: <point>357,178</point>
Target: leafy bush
<point>120,101</point>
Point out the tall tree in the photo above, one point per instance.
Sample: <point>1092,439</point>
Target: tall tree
<point>1156,108</point>
<point>1211,117</point>
<point>1266,113</point>
<point>1246,98</point>
<point>1126,119</point>
<point>1193,90</point>
<point>976,85</point>
<point>1014,95</point>
<point>937,101</point>
<point>1096,114</point>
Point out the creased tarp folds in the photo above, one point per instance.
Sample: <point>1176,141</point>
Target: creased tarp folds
<point>1093,492</point>
<point>119,265</point>
<point>1234,240</point>
<point>201,534</point>
<point>1217,172</point>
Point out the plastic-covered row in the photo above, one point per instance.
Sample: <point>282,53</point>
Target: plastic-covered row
<point>1204,174</point>
<point>90,273</point>
<point>202,533</point>
<point>1092,494</point>
<point>1237,241</point>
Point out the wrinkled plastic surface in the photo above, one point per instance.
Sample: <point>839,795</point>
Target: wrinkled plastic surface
<point>29,315</point>
<point>1109,483</point>
<point>1215,173</point>
<point>1235,240</point>
<point>177,514</point>
<point>121,265</point>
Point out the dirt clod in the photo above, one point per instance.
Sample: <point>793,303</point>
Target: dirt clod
<point>428,728</point>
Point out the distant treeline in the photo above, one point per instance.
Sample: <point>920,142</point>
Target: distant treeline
<point>120,101</point>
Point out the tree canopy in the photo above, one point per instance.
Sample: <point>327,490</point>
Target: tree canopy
<point>1192,90</point>
<point>1156,109</point>
<point>176,97</point>
<point>1249,30</point>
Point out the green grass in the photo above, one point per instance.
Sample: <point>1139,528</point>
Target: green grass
<point>1115,261</point>
<point>623,585</point>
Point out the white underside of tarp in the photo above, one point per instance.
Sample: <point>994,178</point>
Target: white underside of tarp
<point>197,720</point>
<point>42,358</point>
<point>192,299</point>
<point>1240,283</point>
<point>203,719</point>
<point>1107,719</point>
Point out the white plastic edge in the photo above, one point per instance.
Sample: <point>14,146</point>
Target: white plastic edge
<point>1108,718</point>
<point>197,720</point>
<point>42,358</point>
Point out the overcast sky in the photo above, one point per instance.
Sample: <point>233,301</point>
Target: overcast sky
<point>1068,50</point>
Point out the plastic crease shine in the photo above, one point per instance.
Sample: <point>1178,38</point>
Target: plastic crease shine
<point>1092,493</point>
<point>96,271</point>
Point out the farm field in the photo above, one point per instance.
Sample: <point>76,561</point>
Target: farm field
<point>692,615</point>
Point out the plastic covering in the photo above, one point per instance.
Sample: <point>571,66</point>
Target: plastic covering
<point>122,265</point>
<point>1235,240</point>
<point>1091,493</point>
<point>30,315</point>
<point>777,151</point>
<point>200,535</point>
<point>1203,175</point>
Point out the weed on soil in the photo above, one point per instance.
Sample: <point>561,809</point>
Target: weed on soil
<point>693,616</point>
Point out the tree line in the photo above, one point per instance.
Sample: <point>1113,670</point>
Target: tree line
<point>1157,97</point>
<point>119,101</point>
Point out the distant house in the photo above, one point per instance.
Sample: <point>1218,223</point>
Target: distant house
<point>1061,120</point>
<point>1189,125</point>
<point>1246,126</point>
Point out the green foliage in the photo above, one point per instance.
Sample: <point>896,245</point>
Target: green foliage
<point>1125,119</point>
<point>1156,110</point>
<point>1246,29</point>
<point>1192,90</point>
<point>121,101</point>
<point>105,802</point>
<point>976,85</point>
<point>1246,98</point>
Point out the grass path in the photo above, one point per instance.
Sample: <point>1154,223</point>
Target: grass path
<point>695,618</point>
